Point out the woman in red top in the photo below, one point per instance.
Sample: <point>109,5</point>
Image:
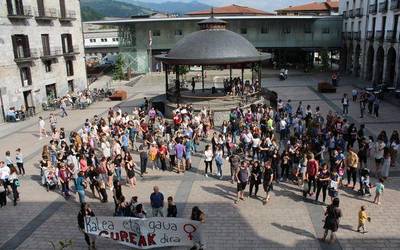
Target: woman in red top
<point>64,176</point>
<point>163,152</point>
<point>312,169</point>
<point>83,164</point>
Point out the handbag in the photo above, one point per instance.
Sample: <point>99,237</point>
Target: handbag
<point>17,183</point>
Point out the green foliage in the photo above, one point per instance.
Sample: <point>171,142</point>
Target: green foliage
<point>325,59</point>
<point>119,68</point>
<point>183,70</point>
<point>88,14</point>
<point>112,8</point>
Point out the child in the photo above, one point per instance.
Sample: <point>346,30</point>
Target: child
<point>378,191</point>
<point>171,211</point>
<point>3,195</point>
<point>362,219</point>
<point>19,159</point>
<point>364,182</point>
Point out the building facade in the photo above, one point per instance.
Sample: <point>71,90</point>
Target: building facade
<point>100,42</point>
<point>371,40</point>
<point>42,52</point>
<point>142,38</point>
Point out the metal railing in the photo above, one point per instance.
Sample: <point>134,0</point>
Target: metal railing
<point>349,35</point>
<point>373,9</point>
<point>379,35</point>
<point>68,15</point>
<point>27,55</point>
<point>357,35</point>
<point>51,52</point>
<point>351,14</point>
<point>390,36</point>
<point>25,12</point>
<point>345,14</point>
<point>383,6</point>
<point>46,13</point>
<point>394,4</point>
<point>359,12</point>
<point>70,50</point>
<point>344,35</point>
<point>370,35</point>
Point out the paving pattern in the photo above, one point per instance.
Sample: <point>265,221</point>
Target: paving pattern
<point>287,222</point>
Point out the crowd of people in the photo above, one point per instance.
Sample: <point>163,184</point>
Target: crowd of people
<point>290,144</point>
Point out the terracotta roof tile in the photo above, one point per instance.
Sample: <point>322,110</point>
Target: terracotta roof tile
<point>321,6</point>
<point>232,10</point>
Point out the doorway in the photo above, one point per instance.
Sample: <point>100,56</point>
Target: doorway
<point>51,92</point>
<point>28,99</point>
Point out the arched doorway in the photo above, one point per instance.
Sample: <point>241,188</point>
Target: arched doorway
<point>370,63</point>
<point>380,57</point>
<point>357,60</point>
<point>350,59</point>
<point>343,58</point>
<point>390,66</point>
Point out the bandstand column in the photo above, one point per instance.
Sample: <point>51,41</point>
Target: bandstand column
<point>202,77</point>
<point>259,73</point>
<point>252,73</point>
<point>242,74</point>
<point>230,72</point>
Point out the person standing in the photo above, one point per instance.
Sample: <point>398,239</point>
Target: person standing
<point>63,107</point>
<point>242,177</point>
<point>19,159</point>
<point>42,128</point>
<point>345,104</point>
<point>323,180</point>
<point>354,94</point>
<point>363,103</point>
<point>180,151</point>
<point>14,183</point>
<point>157,202</point>
<point>208,157</point>
<point>312,170</point>
<point>86,211</point>
<point>332,218</point>
<point>379,191</point>
<point>362,220</point>
<point>193,85</point>
<point>219,161</point>
<point>143,160</point>
<point>197,215</point>
<point>172,211</point>
<point>352,166</point>
<point>234,161</point>
<point>268,178</point>
<point>376,105</point>
<point>80,187</point>
<point>379,149</point>
<point>255,178</point>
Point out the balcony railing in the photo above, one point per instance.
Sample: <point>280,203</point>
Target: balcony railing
<point>46,14</point>
<point>24,13</point>
<point>50,53</point>
<point>71,51</point>
<point>390,36</point>
<point>345,15</point>
<point>359,12</point>
<point>394,4</point>
<point>383,7</point>
<point>68,16</point>
<point>357,35</point>
<point>349,36</point>
<point>351,14</point>
<point>379,35</point>
<point>27,56</point>
<point>370,35</point>
<point>372,9</point>
<point>344,35</point>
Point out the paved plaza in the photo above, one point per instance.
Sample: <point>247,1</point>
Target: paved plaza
<point>288,221</point>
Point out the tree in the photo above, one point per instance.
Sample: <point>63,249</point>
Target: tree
<point>119,68</point>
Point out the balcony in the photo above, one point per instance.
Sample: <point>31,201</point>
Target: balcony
<point>372,9</point>
<point>46,14</point>
<point>351,14</point>
<point>28,55</point>
<point>359,12</point>
<point>50,53</point>
<point>344,35</point>
<point>349,36</point>
<point>20,14</point>
<point>69,52</point>
<point>394,4</point>
<point>379,35</point>
<point>345,15</point>
<point>390,36</point>
<point>68,16</point>
<point>383,7</point>
<point>370,35</point>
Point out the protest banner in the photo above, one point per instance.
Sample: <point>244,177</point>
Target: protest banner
<point>145,233</point>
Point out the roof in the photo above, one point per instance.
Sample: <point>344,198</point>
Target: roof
<point>314,6</point>
<point>230,10</point>
<point>199,18</point>
<point>212,47</point>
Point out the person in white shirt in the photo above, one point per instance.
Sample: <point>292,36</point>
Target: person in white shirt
<point>208,157</point>
<point>379,148</point>
<point>42,128</point>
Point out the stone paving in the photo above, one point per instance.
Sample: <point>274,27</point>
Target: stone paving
<point>287,222</point>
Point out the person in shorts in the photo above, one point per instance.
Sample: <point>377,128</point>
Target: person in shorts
<point>242,177</point>
<point>268,178</point>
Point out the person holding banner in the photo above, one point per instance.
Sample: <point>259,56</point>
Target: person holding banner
<point>197,215</point>
<point>84,212</point>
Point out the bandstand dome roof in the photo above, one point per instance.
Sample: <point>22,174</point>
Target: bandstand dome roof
<point>213,45</point>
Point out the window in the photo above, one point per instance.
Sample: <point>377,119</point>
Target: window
<point>71,86</point>
<point>307,28</point>
<point>115,39</point>
<point>45,44</point>
<point>26,77</point>
<point>47,66</point>
<point>21,46</point>
<point>264,30</point>
<point>104,40</point>
<point>325,31</point>
<point>178,32</point>
<point>92,40</point>
<point>243,31</point>
<point>156,33</point>
<point>70,67</point>
<point>286,30</point>
<point>15,7</point>
<point>66,41</point>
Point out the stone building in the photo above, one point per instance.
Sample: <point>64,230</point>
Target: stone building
<point>371,40</point>
<point>42,53</point>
